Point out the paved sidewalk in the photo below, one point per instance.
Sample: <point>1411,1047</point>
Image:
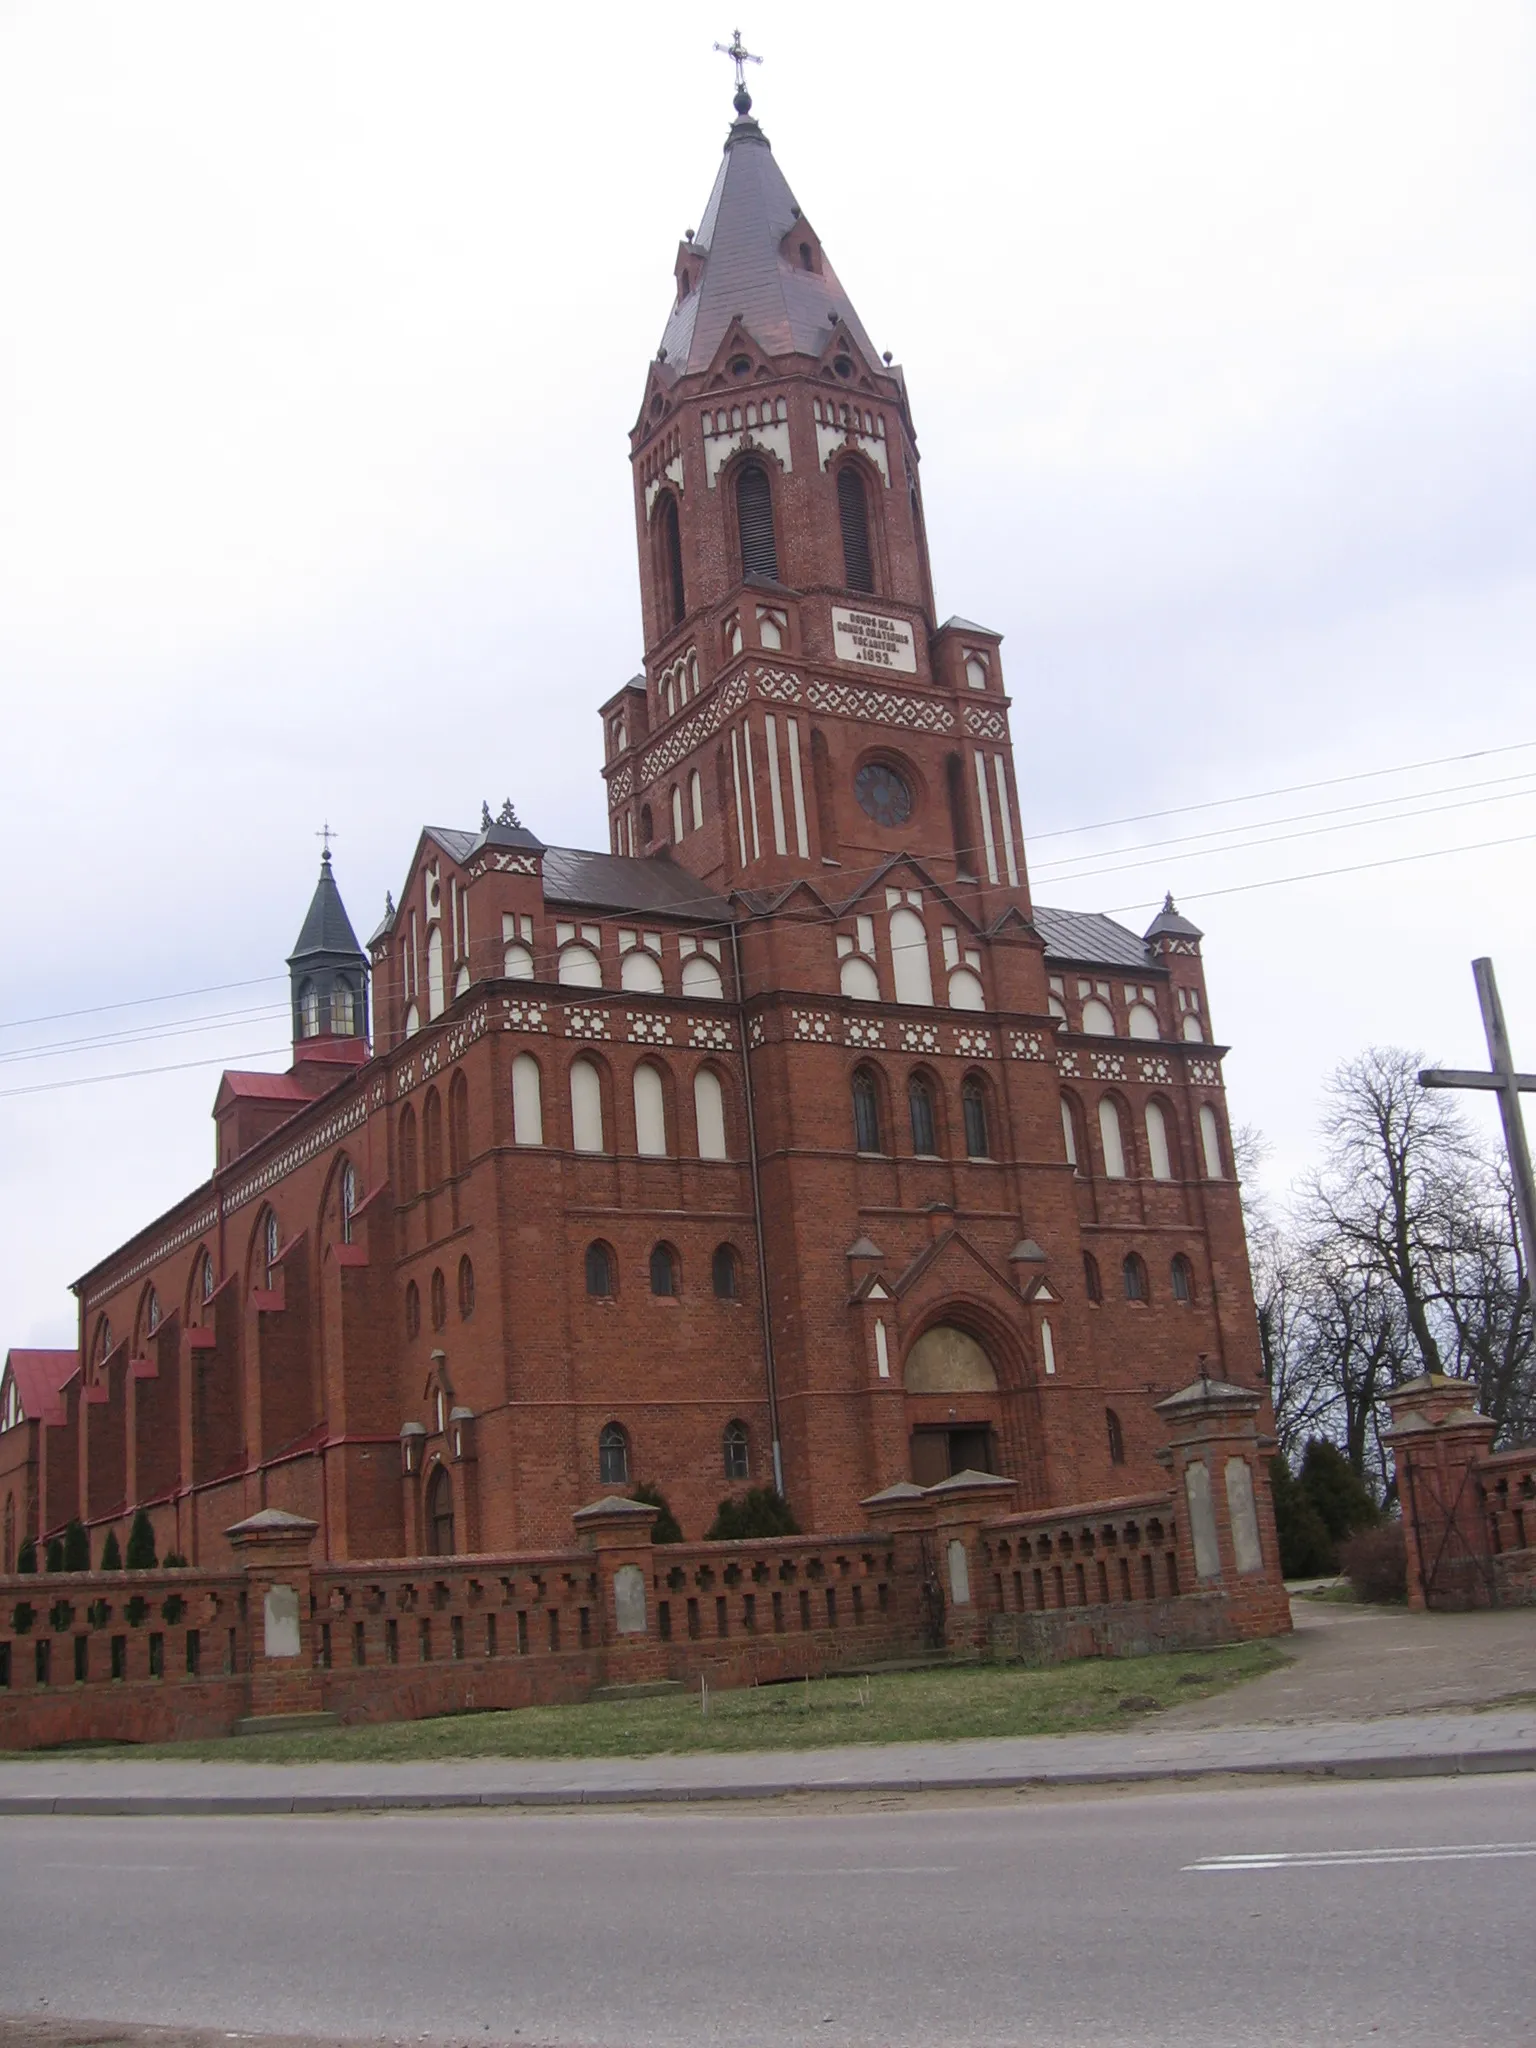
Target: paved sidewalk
<point>1418,1745</point>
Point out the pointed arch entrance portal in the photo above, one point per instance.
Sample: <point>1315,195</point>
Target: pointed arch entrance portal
<point>952,1405</point>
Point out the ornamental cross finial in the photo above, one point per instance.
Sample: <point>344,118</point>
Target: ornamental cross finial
<point>327,833</point>
<point>740,56</point>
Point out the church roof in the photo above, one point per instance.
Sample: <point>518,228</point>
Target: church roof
<point>327,928</point>
<point>41,1377</point>
<point>1168,919</point>
<point>1089,938</point>
<point>262,1088</point>
<point>611,881</point>
<point>786,308</point>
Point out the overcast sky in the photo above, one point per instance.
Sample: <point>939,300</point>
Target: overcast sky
<point>323,326</point>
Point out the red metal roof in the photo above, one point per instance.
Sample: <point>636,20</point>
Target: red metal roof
<point>40,1378</point>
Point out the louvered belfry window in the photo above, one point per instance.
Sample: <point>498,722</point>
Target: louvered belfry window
<point>754,516</point>
<point>672,559</point>
<point>853,513</point>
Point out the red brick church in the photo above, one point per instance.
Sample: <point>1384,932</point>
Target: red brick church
<point>785,1141</point>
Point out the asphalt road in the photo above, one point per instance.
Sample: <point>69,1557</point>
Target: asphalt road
<point>1391,1914</point>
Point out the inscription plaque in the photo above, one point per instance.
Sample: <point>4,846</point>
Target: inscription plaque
<point>871,640</point>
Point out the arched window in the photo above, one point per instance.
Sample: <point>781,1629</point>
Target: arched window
<point>973,1100</point>
<point>1091,1280</point>
<point>579,966</point>
<point>1116,1437</point>
<point>909,957</point>
<point>343,1010</point>
<point>412,1309</point>
<point>440,1513</point>
<point>435,971</point>
<point>857,978</point>
<point>647,825</point>
<point>866,1112</point>
<point>1112,1137</point>
<point>725,1272</point>
<point>669,540</point>
<point>738,1463</point>
<point>965,990</point>
<point>466,1288</point>
<point>600,1271</point>
<point>701,978</point>
<point>1069,1132</point>
<point>853,517</point>
<point>527,1101</point>
<point>439,1292</point>
<point>1098,1018</point>
<point>709,1113</point>
<point>696,799</point>
<point>1210,1142</point>
<point>458,1124</point>
<point>152,1312</point>
<point>1192,1030</point>
<point>205,1287</point>
<point>309,1011</point>
<point>410,1157</point>
<point>348,1200</point>
<point>1142,1021</point>
<point>920,1108</point>
<point>677,813</point>
<point>432,1137</point>
<point>612,1455</point>
<point>640,971</point>
<point>1157,1143</point>
<point>1134,1271</point>
<point>270,1247</point>
<point>664,1280</point>
<point>650,1113</point>
<point>1182,1276</point>
<point>517,962</point>
<point>754,520</point>
<point>586,1107</point>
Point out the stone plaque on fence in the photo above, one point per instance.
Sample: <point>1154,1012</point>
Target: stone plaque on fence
<point>1202,1519</point>
<point>629,1600</point>
<point>280,1622</point>
<point>959,1573</point>
<point>1244,1517</point>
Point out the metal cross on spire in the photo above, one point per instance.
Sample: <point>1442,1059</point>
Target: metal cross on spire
<point>740,56</point>
<point>327,833</point>
<point>1509,1086</point>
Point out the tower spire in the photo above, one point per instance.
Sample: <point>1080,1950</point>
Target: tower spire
<point>741,57</point>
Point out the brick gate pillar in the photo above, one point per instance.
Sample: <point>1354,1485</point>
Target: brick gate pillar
<point>619,1531</point>
<point>961,1506</point>
<point>1227,1542</point>
<point>274,1548</point>
<point>1438,1440</point>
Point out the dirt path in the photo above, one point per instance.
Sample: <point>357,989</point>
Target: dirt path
<point>1354,1663</point>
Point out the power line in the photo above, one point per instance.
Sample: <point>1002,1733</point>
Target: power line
<point>136,1073</point>
<point>138,1002</point>
<point>113,1040</point>
<point>1325,874</point>
<point>1284,838</point>
<point>1288,789</point>
<point>1387,804</point>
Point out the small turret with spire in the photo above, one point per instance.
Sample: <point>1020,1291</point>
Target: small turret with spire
<point>328,977</point>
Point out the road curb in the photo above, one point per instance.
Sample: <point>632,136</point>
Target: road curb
<point>142,1805</point>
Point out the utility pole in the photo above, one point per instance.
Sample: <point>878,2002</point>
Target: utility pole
<point>1508,1085</point>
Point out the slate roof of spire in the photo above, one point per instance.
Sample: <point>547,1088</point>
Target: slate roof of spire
<point>327,928</point>
<point>785,307</point>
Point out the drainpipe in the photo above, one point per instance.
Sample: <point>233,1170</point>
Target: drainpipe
<point>757,1219</point>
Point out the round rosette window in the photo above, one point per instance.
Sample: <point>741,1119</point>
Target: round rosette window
<point>884,793</point>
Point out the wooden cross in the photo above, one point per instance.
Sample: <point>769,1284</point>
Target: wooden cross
<point>739,54</point>
<point>1508,1086</point>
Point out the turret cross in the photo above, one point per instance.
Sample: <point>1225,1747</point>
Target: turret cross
<point>327,832</point>
<point>1508,1086</point>
<point>739,54</point>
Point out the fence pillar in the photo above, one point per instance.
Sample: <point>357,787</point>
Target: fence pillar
<point>1227,1542</point>
<point>961,1506</point>
<point>619,1531</point>
<point>274,1548</point>
<point>1438,1440</point>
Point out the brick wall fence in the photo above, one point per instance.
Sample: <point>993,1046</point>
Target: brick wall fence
<point>947,1569</point>
<point>1469,1512</point>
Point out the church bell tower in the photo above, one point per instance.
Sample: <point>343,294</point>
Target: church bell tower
<point>800,709</point>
